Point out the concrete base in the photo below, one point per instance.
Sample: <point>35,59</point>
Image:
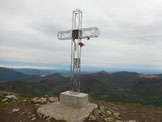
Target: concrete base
<point>63,112</point>
<point>75,100</point>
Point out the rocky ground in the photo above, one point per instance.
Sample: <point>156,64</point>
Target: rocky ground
<point>120,112</point>
<point>14,108</point>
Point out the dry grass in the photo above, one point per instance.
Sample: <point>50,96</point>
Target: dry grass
<point>149,76</point>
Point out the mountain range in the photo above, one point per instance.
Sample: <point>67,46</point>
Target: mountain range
<point>130,87</point>
<point>7,74</point>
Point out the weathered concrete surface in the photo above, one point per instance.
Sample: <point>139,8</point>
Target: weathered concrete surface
<point>68,113</point>
<point>76,100</point>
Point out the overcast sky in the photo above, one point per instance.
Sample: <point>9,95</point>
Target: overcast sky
<point>130,32</point>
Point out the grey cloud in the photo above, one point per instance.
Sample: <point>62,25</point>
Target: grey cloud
<point>48,28</point>
<point>130,31</point>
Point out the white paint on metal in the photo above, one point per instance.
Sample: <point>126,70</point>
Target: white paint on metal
<point>81,33</point>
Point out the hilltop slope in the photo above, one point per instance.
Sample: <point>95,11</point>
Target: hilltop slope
<point>120,87</point>
<point>25,109</point>
<point>9,74</point>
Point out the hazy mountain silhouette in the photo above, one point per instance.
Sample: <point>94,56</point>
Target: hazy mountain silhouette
<point>120,86</point>
<point>9,74</point>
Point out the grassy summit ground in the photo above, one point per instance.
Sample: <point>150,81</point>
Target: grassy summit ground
<point>117,111</point>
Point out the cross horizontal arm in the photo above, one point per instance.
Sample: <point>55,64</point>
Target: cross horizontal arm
<point>64,35</point>
<point>92,32</point>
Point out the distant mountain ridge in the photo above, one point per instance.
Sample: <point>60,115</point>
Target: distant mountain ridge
<point>9,74</point>
<point>128,87</point>
<point>42,71</point>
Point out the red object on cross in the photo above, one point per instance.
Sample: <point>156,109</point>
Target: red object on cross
<point>81,44</point>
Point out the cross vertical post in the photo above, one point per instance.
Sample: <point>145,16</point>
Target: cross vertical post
<point>76,35</point>
<point>76,51</point>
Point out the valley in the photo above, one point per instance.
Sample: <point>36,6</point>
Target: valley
<point>127,87</point>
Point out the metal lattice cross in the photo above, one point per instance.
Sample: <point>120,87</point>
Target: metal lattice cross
<point>76,35</point>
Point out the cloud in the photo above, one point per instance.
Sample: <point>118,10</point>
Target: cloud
<point>24,66</point>
<point>130,31</point>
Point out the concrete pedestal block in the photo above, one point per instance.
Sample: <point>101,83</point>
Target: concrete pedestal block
<point>76,100</point>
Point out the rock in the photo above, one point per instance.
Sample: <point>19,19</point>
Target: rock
<point>118,121</point>
<point>12,97</point>
<point>114,108</point>
<point>15,109</point>
<point>48,119</point>
<point>29,102</point>
<point>132,121</point>
<point>108,113</point>
<point>69,114</point>
<point>53,99</point>
<point>42,100</point>
<point>96,112</point>
<point>91,117</point>
<point>29,112</point>
<point>25,100</point>
<point>103,115</point>
<point>143,117</point>
<point>116,114</point>
<point>5,99</point>
<point>102,109</point>
<point>44,116</point>
<point>34,99</point>
<point>9,97</point>
<point>33,118</point>
<point>109,119</point>
<point>39,100</point>
<point>24,112</point>
<point>23,103</point>
<point>40,115</point>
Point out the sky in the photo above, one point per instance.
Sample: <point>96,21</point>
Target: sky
<point>130,33</point>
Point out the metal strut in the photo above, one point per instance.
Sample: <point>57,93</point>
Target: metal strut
<point>76,49</point>
<point>76,35</point>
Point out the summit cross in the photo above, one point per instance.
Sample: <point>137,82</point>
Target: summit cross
<point>76,35</point>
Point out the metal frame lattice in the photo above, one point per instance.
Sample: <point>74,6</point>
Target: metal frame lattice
<point>76,35</point>
<point>76,52</point>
